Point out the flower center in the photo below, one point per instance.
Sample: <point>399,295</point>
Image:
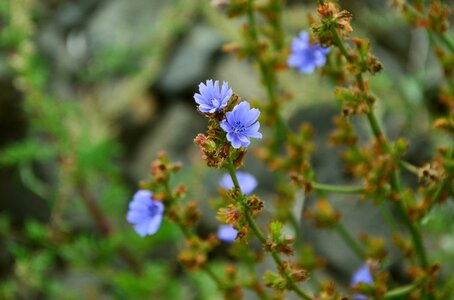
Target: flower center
<point>153,209</point>
<point>238,127</point>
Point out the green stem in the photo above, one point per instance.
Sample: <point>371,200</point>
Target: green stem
<point>189,235</point>
<point>337,188</point>
<point>409,167</point>
<point>213,275</point>
<point>103,225</point>
<point>388,217</point>
<point>32,182</point>
<point>340,44</point>
<point>415,235</point>
<point>396,185</point>
<point>445,41</point>
<point>261,237</point>
<point>375,126</point>
<point>350,241</point>
<point>401,291</point>
<point>268,80</point>
<point>296,226</point>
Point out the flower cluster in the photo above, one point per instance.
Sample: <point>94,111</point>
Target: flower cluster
<point>247,184</point>
<point>231,122</point>
<point>306,56</point>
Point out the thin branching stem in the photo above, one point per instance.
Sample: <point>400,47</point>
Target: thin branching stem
<point>189,235</point>
<point>395,180</point>
<point>261,237</point>
<point>344,189</point>
<point>350,241</point>
<point>401,291</point>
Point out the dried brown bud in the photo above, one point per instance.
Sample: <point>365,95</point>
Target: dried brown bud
<point>327,10</point>
<point>323,214</point>
<point>255,204</point>
<point>430,173</point>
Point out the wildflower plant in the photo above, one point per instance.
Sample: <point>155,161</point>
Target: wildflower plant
<point>232,124</point>
<point>257,243</point>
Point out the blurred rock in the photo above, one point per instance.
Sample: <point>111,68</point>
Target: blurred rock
<point>241,76</point>
<point>124,23</point>
<point>192,60</point>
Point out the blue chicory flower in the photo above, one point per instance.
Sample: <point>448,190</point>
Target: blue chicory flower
<point>362,275</point>
<point>246,181</point>
<point>305,56</point>
<point>241,124</point>
<point>145,213</point>
<point>211,97</point>
<point>227,233</point>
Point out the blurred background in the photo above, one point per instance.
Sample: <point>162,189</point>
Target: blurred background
<point>92,90</point>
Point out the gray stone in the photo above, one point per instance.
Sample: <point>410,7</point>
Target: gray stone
<point>124,23</point>
<point>191,61</point>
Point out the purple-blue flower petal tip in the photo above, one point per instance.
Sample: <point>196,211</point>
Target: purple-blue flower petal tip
<point>145,213</point>
<point>362,275</point>
<point>246,181</point>
<point>241,124</point>
<point>211,97</point>
<point>305,56</point>
<point>227,233</point>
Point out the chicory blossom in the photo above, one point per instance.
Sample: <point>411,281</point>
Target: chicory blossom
<point>211,98</point>
<point>362,275</point>
<point>227,233</point>
<point>145,213</point>
<point>246,181</point>
<point>305,56</point>
<point>241,124</point>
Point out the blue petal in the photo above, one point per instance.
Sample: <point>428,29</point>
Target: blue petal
<point>227,233</point>
<point>142,228</point>
<point>362,275</point>
<point>137,216</point>
<point>251,117</point>
<point>205,108</point>
<point>226,182</point>
<point>241,110</point>
<point>307,69</point>
<point>233,139</point>
<point>226,126</point>
<point>247,182</point>
<point>160,207</point>
<point>226,93</point>
<point>294,60</point>
<point>244,139</point>
<point>154,224</point>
